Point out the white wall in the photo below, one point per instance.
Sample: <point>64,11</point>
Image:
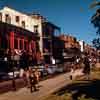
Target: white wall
<point>29,22</point>
<point>81,42</point>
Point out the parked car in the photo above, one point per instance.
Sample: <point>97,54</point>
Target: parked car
<point>16,74</point>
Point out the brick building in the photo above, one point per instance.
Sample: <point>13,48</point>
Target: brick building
<point>30,32</point>
<point>71,46</point>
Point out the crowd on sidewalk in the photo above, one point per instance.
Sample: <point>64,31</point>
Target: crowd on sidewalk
<point>31,77</point>
<point>82,67</point>
<point>29,68</point>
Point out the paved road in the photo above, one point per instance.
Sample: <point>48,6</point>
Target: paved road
<point>47,87</point>
<point>7,85</point>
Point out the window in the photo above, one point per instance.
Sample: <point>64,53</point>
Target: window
<point>46,45</point>
<point>4,42</point>
<point>7,19</point>
<point>0,16</point>
<point>21,44</point>
<point>35,28</point>
<point>16,43</point>
<point>17,19</point>
<point>47,30</point>
<point>23,24</point>
<point>25,45</point>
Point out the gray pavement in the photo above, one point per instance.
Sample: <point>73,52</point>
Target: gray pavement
<point>6,86</point>
<point>46,87</point>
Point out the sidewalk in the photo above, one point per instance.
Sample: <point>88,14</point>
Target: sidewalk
<point>47,87</point>
<point>7,85</point>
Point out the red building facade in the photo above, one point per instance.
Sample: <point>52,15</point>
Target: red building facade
<point>17,40</point>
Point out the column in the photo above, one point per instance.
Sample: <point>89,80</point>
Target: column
<point>18,39</point>
<point>12,40</point>
<point>23,44</point>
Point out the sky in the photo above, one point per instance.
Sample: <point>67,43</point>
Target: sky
<point>72,16</point>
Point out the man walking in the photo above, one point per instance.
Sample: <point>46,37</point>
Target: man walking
<point>86,69</point>
<point>34,79</point>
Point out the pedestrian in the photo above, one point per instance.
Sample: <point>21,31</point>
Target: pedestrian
<point>34,79</point>
<point>37,74</point>
<point>28,74</point>
<point>21,73</point>
<point>72,71</point>
<point>86,69</point>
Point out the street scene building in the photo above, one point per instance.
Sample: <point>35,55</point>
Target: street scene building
<point>41,38</point>
<point>34,49</point>
<point>28,32</point>
<point>16,34</point>
<point>71,47</point>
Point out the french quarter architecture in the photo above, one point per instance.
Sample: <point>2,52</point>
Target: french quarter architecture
<point>33,33</point>
<point>30,32</point>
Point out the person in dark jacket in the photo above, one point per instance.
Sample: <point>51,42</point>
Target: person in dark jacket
<point>33,80</point>
<point>86,69</point>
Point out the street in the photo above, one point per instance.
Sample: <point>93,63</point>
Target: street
<point>7,85</point>
<point>46,87</point>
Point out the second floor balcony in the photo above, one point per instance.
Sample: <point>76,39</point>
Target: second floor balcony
<point>50,30</point>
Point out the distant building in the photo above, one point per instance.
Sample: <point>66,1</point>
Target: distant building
<point>49,33</point>
<point>69,41</point>
<point>71,47</point>
<point>58,46</point>
<point>82,44</point>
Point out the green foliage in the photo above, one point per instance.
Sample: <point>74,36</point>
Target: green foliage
<point>67,96</point>
<point>94,4</point>
<point>83,97</point>
<point>95,20</point>
<point>96,43</point>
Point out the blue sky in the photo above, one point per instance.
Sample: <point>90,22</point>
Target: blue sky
<point>73,16</point>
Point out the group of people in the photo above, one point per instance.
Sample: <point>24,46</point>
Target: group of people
<point>81,67</point>
<point>19,59</point>
<point>31,78</point>
<point>24,61</point>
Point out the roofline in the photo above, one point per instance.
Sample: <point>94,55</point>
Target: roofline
<point>11,8</point>
<point>52,24</point>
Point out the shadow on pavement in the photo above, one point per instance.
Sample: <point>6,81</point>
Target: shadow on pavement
<point>8,86</point>
<point>90,88</point>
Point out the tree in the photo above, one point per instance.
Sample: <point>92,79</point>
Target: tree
<point>95,20</point>
<point>96,43</point>
<point>94,4</point>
